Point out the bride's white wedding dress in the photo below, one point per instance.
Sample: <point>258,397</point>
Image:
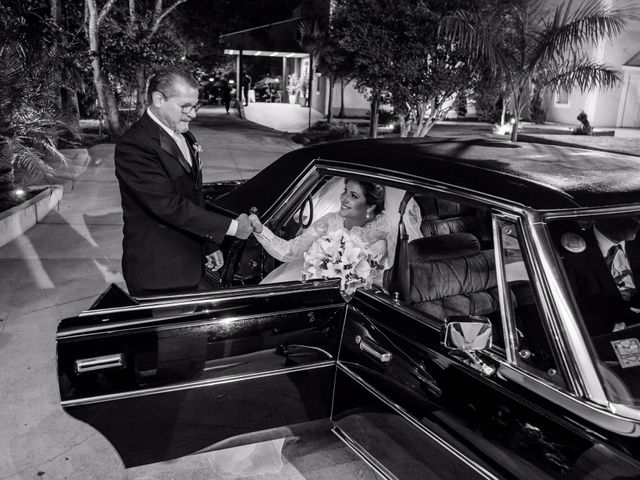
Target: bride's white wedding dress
<point>374,233</point>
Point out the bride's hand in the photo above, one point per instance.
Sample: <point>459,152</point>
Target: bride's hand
<point>255,223</point>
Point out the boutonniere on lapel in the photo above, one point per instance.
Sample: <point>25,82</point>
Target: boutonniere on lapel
<point>197,148</point>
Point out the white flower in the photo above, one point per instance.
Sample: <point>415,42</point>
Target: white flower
<point>197,147</point>
<point>340,254</point>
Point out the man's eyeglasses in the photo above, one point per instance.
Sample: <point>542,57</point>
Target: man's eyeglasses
<point>186,108</point>
<point>191,108</point>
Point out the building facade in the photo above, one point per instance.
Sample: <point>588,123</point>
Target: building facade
<point>616,107</point>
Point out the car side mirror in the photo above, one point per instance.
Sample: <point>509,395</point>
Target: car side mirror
<point>466,335</point>
<point>467,332</point>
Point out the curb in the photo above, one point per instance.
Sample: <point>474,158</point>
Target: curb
<point>17,220</point>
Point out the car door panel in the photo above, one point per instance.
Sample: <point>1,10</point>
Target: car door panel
<point>173,377</point>
<point>493,426</point>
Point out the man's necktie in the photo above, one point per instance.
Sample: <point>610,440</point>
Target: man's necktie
<point>620,269</point>
<point>611,254</point>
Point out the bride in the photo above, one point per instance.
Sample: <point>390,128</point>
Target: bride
<point>361,213</point>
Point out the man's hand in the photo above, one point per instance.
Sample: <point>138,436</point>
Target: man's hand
<point>215,261</point>
<point>244,227</point>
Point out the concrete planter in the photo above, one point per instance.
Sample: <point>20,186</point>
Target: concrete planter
<point>17,220</point>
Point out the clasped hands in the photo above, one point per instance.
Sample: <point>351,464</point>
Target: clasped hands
<point>248,224</point>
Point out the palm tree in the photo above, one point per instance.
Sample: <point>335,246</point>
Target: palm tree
<point>28,127</point>
<point>527,42</point>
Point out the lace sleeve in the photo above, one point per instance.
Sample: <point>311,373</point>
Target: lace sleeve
<point>288,250</point>
<point>375,234</point>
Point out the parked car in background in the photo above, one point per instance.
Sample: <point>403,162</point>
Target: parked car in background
<point>495,345</point>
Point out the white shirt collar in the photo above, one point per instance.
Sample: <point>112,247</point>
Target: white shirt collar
<point>166,129</point>
<point>605,243</point>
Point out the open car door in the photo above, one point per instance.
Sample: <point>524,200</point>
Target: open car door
<point>186,373</point>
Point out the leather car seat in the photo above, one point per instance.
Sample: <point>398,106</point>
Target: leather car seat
<point>451,275</point>
<point>442,217</point>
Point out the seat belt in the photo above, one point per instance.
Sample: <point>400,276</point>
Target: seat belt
<point>399,279</point>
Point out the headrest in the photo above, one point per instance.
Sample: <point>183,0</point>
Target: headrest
<point>443,246</point>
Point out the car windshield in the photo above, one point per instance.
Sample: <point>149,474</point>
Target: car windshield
<point>601,257</point>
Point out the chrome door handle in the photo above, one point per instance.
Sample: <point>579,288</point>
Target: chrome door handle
<point>373,350</point>
<point>104,362</point>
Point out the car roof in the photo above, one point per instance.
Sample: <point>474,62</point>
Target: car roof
<point>536,175</point>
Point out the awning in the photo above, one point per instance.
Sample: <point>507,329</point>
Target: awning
<point>263,53</point>
<point>274,39</point>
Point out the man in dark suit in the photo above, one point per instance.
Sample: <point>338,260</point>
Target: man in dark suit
<point>605,273</point>
<point>169,236</point>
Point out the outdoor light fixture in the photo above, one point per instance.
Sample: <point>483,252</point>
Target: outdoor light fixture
<point>19,192</point>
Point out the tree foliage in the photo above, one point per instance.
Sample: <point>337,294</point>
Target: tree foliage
<point>29,123</point>
<point>535,43</point>
<point>399,56</point>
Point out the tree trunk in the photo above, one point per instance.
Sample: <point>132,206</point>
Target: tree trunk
<point>56,16</point>
<point>341,112</point>
<point>518,106</point>
<point>71,109</point>
<point>141,95</point>
<point>427,124</point>
<point>373,117</point>
<point>106,99</point>
<point>405,124</point>
<point>332,84</point>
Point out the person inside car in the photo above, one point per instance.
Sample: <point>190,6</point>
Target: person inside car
<point>361,213</point>
<point>603,272</point>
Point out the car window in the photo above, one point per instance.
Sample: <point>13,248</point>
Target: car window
<point>524,319</point>
<point>601,258</point>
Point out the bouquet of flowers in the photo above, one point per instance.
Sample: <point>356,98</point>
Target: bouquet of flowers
<point>343,255</point>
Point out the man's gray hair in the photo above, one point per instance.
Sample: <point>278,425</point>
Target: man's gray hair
<point>164,80</point>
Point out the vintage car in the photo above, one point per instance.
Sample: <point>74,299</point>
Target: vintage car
<point>496,344</point>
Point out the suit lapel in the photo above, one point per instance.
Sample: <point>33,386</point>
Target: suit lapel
<point>169,145</point>
<point>195,155</point>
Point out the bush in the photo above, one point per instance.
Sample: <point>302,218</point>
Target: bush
<point>343,130</point>
<point>386,117</point>
<point>321,125</point>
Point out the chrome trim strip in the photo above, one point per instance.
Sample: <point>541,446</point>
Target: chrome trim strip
<point>191,385</point>
<point>562,318</point>
<point>409,418</point>
<point>370,460</point>
<point>143,324</point>
<point>173,301</point>
<point>506,307</point>
<point>588,211</point>
<point>591,412</point>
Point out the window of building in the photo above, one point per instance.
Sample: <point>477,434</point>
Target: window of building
<point>562,98</point>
